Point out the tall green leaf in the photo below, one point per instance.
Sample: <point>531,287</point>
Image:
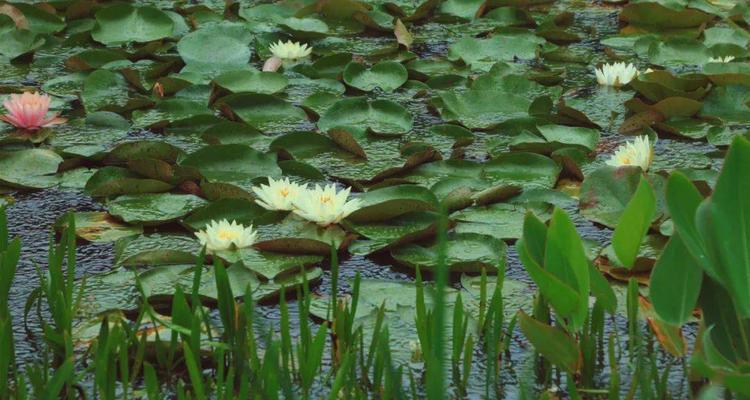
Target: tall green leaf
<point>634,223</point>
<point>683,199</point>
<point>728,225</point>
<point>565,258</point>
<point>675,282</point>
<point>554,344</point>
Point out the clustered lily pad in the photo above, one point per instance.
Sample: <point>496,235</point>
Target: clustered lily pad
<point>481,113</point>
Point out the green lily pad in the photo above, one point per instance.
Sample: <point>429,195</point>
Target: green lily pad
<point>500,220</point>
<point>389,202</point>
<point>157,249</point>
<point>264,112</point>
<point>17,42</point>
<point>252,81</point>
<point>482,53</point>
<point>112,181</point>
<point>216,48</point>
<point>730,103</point>
<point>99,227</point>
<point>554,137</point>
<point>380,116</point>
<point>465,252</point>
<point>242,211</point>
<point>527,170</point>
<point>232,163</point>
<point>296,236</point>
<point>153,208</point>
<point>393,232</point>
<point>482,109</point>
<point>30,169</point>
<point>386,75</point>
<point>270,265</point>
<point>123,23</point>
<point>606,191</point>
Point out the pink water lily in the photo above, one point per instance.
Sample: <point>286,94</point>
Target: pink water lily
<point>29,111</point>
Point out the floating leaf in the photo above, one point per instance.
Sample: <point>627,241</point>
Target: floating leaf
<point>123,23</point>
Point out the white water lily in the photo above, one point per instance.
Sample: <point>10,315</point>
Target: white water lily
<point>617,74</point>
<point>639,152</point>
<point>278,194</point>
<point>324,205</point>
<point>290,50</point>
<point>721,59</point>
<point>222,235</point>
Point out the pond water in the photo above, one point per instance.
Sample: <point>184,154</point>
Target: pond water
<point>183,128</point>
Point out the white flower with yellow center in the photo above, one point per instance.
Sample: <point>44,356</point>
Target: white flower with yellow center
<point>325,206</point>
<point>617,74</point>
<point>223,235</point>
<point>721,59</point>
<point>290,50</point>
<point>639,152</point>
<point>278,194</point>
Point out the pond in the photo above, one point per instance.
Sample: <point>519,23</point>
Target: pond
<point>341,198</point>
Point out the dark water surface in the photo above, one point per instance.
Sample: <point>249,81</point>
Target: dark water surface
<point>32,216</point>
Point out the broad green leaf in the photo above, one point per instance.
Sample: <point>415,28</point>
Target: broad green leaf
<point>565,258</point>
<point>675,283</point>
<point>124,23</point>
<point>683,199</point>
<point>386,75</point>
<point>729,214</point>
<point>552,343</point>
<point>634,223</point>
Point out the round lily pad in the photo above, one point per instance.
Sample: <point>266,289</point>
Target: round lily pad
<point>232,163</point>
<point>465,252</point>
<point>252,81</point>
<point>386,75</point>
<point>123,23</point>
<point>386,203</point>
<point>380,116</point>
<point>153,208</point>
<point>31,168</point>
<point>263,111</point>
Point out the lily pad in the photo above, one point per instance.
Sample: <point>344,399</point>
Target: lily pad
<point>216,48</point>
<point>157,249</point>
<point>386,75</point>
<point>153,208</point>
<point>263,111</point>
<point>380,116</point>
<point>232,163</point>
<point>296,236</point>
<point>99,227</point>
<point>482,109</point>
<point>252,81</point>
<point>30,168</point>
<point>123,23</point>
<point>386,203</point>
<point>465,252</point>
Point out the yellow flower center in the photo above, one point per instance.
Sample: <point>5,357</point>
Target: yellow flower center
<point>325,199</point>
<point>228,235</point>
<point>284,192</point>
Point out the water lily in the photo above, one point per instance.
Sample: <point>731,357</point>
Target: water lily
<point>324,205</point>
<point>617,74</point>
<point>278,194</point>
<point>639,152</point>
<point>223,235</point>
<point>721,59</point>
<point>290,50</point>
<point>29,111</point>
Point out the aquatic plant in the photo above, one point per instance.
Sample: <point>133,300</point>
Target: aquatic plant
<point>225,235</point>
<point>616,74</point>
<point>29,111</point>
